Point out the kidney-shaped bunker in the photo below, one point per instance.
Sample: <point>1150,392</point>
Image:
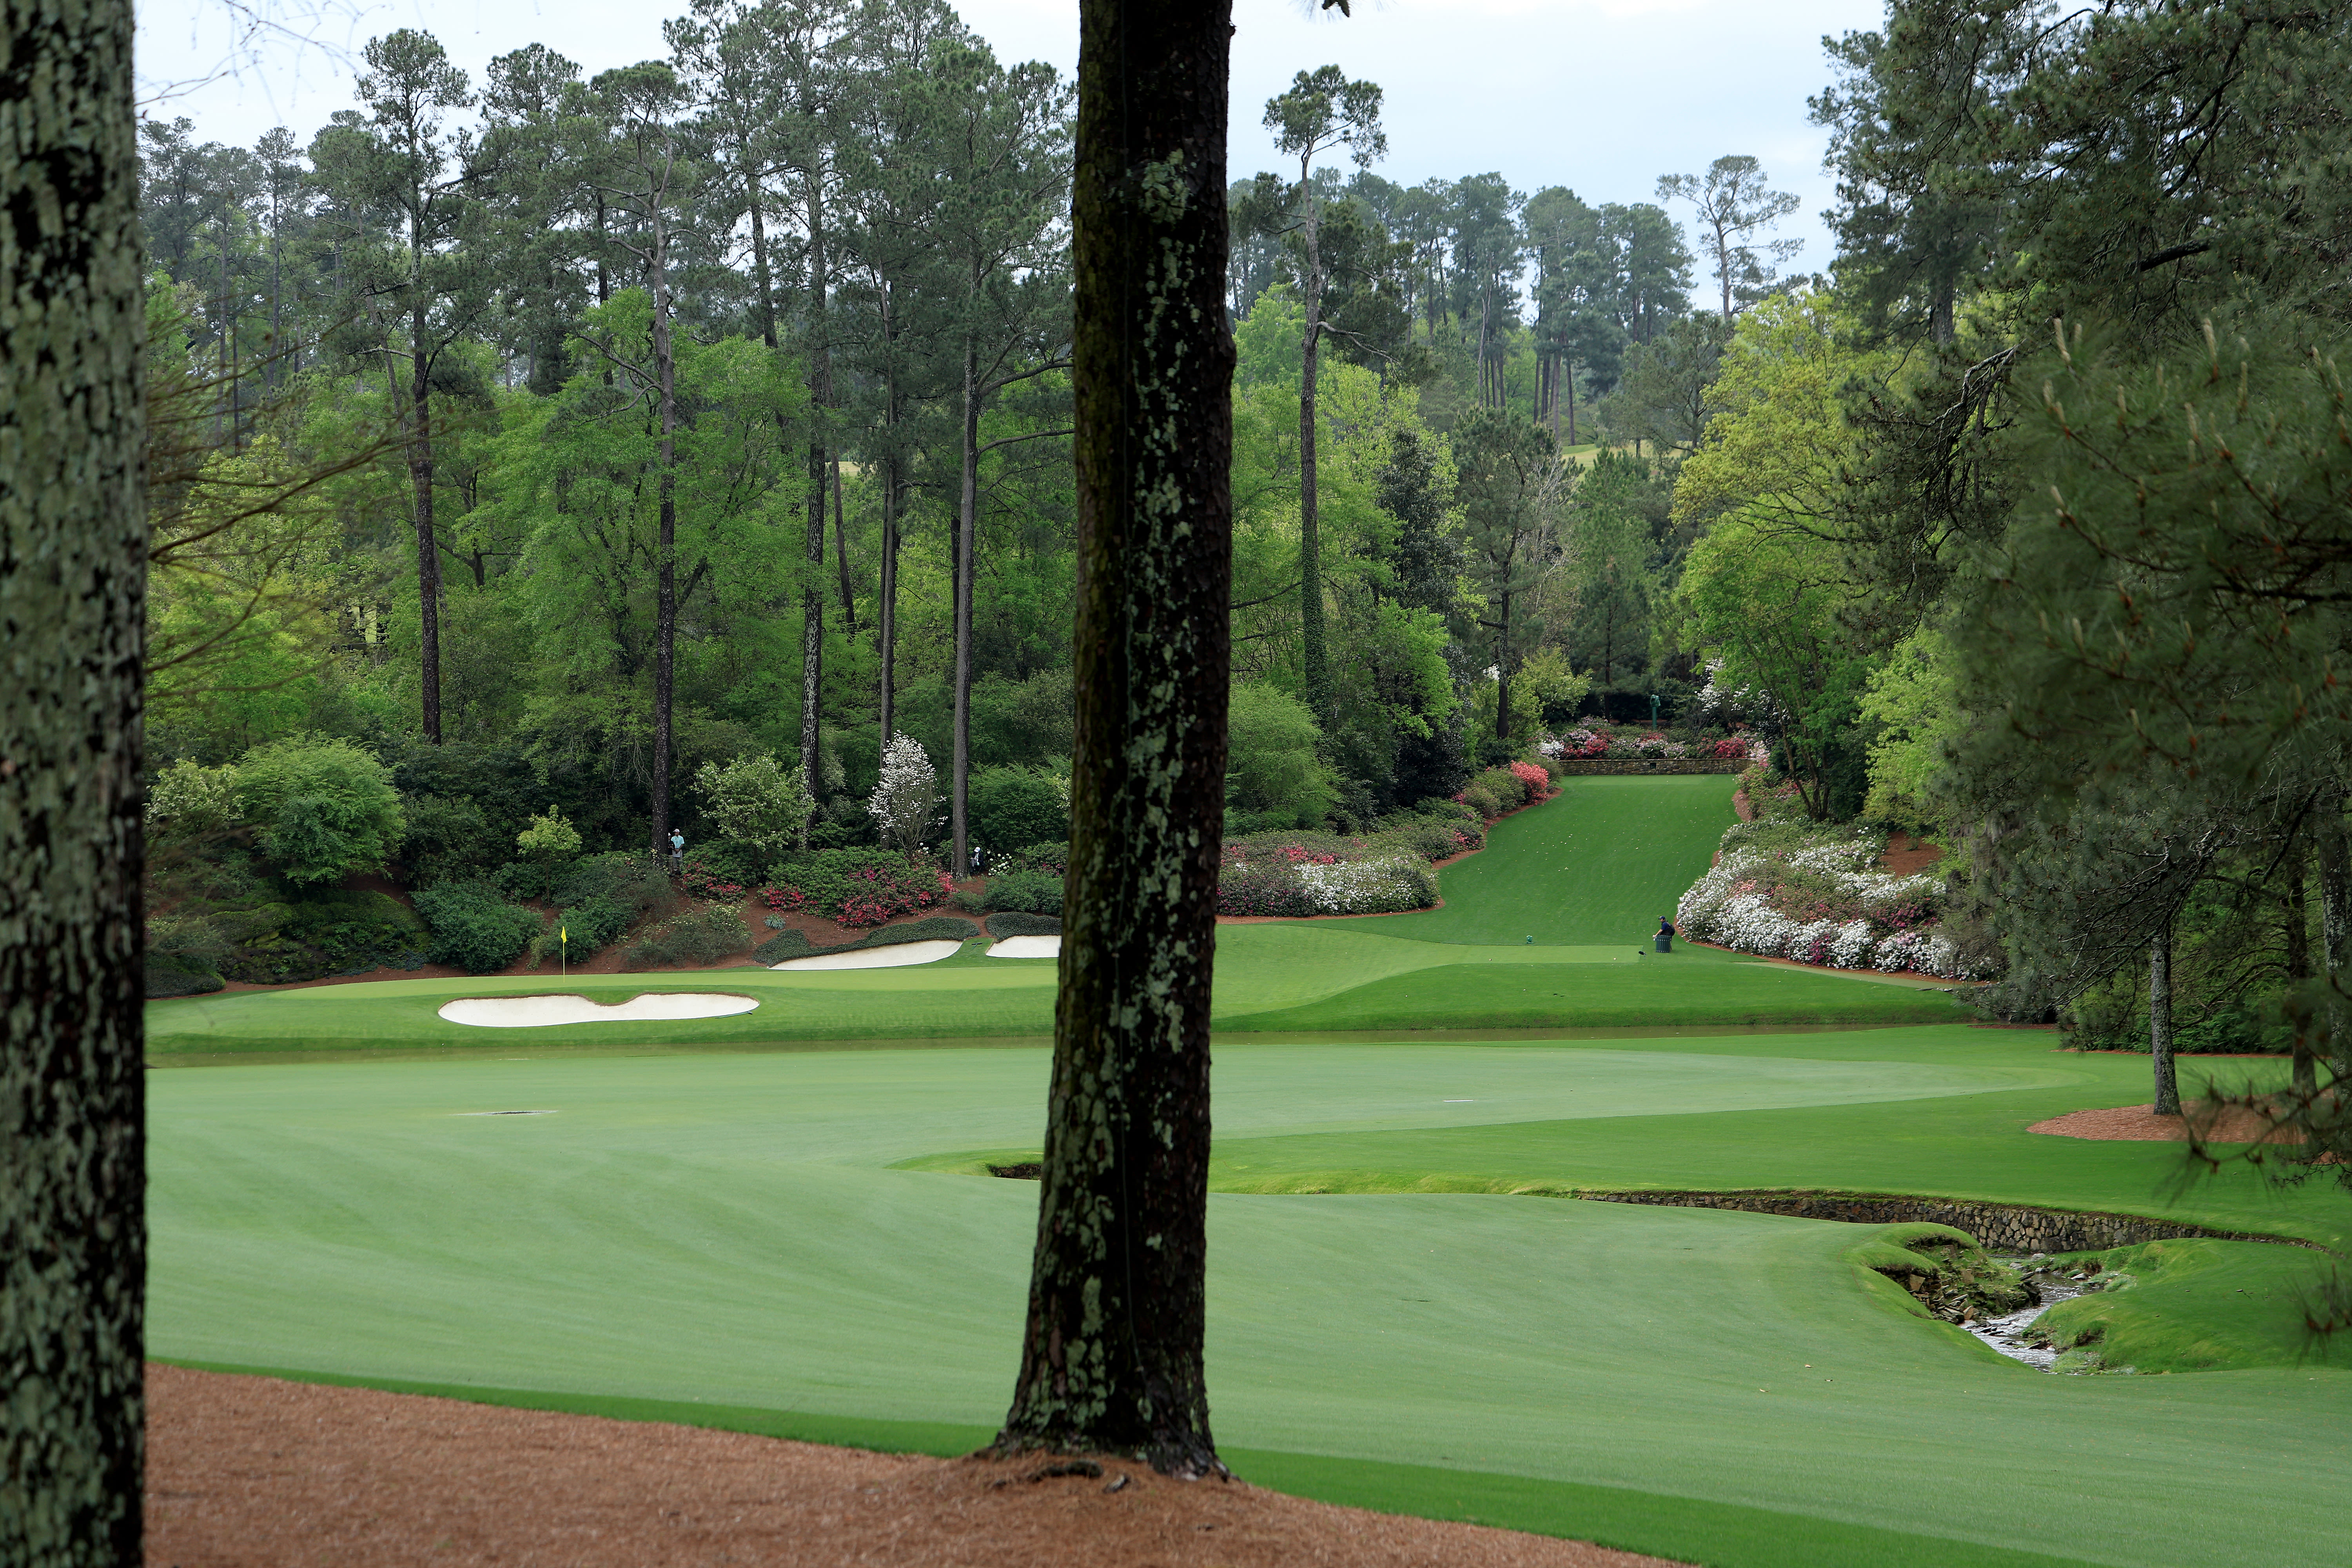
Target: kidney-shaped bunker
<point>538,1012</point>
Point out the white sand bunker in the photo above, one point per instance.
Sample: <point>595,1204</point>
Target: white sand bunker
<point>894,957</point>
<point>539,1012</point>
<point>1027,947</point>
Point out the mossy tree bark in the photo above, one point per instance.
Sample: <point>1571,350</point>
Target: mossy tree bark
<point>1111,1356</point>
<point>73,543</point>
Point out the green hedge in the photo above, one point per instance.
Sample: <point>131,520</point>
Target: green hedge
<point>937,928</point>
<point>1016,922</point>
<point>698,936</point>
<point>474,928</point>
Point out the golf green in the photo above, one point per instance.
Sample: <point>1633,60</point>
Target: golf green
<point>750,1234</point>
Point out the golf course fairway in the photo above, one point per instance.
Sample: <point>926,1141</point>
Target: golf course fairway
<point>1408,1308</point>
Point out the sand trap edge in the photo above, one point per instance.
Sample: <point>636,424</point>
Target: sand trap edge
<point>548,1011</point>
<point>898,956</point>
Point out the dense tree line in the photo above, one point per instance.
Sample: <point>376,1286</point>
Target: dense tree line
<point>594,431</point>
<point>2027,530</point>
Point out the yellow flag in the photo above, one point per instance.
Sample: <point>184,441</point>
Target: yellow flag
<point>564,936</point>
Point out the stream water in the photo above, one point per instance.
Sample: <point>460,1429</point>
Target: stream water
<point>2006,1332</point>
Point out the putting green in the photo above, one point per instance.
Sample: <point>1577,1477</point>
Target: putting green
<point>741,1234</point>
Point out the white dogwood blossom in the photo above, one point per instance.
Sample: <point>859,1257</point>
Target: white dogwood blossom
<point>906,800</point>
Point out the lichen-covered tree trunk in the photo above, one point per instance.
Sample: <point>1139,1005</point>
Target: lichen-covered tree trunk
<point>72,572</point>
<point>1111,1351</point>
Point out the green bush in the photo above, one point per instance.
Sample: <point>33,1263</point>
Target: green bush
<point>184,956</point>
<point>447,839</point>
<point>319,808</point>
<point>356,929</point>
<point>730,861</point>
<point>698,936</point>
<point>169,975</point>
<point>474,928</point>
<point>1481,799</point>
<point>1015,922</point>
<point>1054,859</point>
<point>1272,764</point>
<point>934,928</point>
<point>587,928</point>
<point>1009,806</point>
<point>1031,893</point>
<point>631,881</point>
<point>1510,790</point>
<point>783,945</point>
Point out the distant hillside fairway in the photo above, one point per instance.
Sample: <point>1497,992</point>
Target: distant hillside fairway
<point>1596,865</point>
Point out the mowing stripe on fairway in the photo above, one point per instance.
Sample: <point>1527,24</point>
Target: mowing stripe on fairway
<point>1690,1530</point>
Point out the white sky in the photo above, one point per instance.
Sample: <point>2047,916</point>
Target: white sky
<point>1602,96</point>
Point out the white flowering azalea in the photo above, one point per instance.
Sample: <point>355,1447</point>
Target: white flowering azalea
<point>1876,921</point>
<point>1369,886</point>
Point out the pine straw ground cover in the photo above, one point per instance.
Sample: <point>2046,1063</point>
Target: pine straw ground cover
<point>248,1472</point>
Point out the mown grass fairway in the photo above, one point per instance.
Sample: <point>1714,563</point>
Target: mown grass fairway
<point>729,1230</point>
<point>1404,1313</point>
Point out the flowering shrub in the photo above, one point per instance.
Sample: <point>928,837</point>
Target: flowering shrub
<point>707,882</point>
<point>1814,895</point>
<point>1536,778</point>
<point>1326,887</point>
<point>1730,746</point>
<point>1299,875</point>
<point>1592,742</point>
<point>859,887</point>
<point>1370,886</point>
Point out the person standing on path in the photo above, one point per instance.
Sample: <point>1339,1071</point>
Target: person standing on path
<point>677,852</point>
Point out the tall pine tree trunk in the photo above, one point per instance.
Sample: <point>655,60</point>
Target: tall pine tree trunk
<point>2297,916</point>
<point>1316,668</point>
<point>820,397</point>
<point>841,554</point>
<point>2159,1021</point>
<point>1111,1350</point>
<point>2334,922</point>
<point>428,539</point>
<point>73,545</point>
<point>967,520</point>
<point>886,591</point>
<point>665,564</point>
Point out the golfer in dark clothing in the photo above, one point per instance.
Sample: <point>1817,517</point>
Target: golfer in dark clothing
<point>1665,934</point>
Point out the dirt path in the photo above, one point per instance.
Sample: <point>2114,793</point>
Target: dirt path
<point>252,1472</point>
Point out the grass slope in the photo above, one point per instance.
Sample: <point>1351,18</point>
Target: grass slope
<point>1600,862</point>
<point>705,1230</point>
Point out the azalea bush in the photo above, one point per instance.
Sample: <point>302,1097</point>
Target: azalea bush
<point>1299,875</point>
<point>1815,894</point>
<point>1787,889</point>
<point>858,888</point>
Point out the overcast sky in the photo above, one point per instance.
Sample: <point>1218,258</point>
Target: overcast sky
<point>1601,96</point>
